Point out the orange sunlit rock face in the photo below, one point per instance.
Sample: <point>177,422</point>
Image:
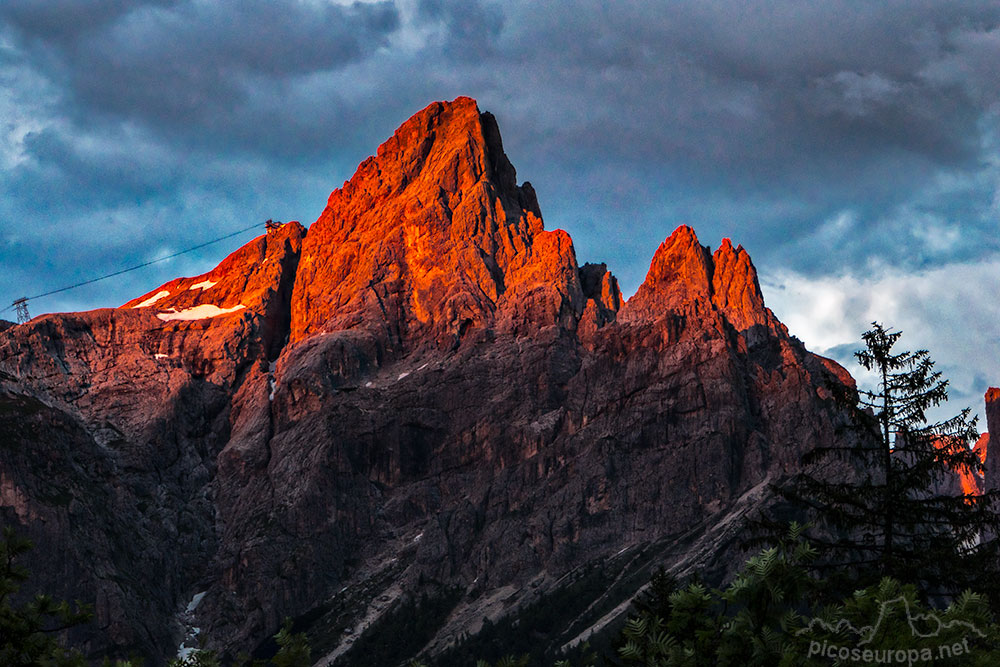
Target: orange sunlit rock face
<point>683,274</point>
<point>964,481</point>
<point>248,292</point>
<point>680,273</point>
<point>735,289</point>
<point>973,480</point>
<point>431,238</point>
<point>969,482</point>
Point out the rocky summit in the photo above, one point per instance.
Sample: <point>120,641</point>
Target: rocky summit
<point>422,393</point>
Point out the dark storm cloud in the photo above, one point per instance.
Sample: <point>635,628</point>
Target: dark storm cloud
<point>730,94</point>
<point>727,86</point>
<point>189,63</point>
<point>67,20</point>
<point>62,177</point>
<point>471,27</point>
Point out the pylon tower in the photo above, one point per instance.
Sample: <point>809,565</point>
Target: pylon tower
<point>21,306</point>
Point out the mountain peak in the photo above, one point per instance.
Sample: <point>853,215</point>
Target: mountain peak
<point>684,272</point>
<point>735,288</point>
<point>446,145</point>
<point>681,265</point>
<point>993,411</point>
<point>427,236</point>
<point>680,272</point>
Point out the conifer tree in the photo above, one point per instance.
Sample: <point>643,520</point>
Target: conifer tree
<point>876,502</point>
<point>29,630</point>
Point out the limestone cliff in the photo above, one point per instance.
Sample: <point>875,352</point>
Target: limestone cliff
<point>424,387</point>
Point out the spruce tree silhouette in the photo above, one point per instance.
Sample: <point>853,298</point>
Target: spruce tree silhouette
<point>875,507</point>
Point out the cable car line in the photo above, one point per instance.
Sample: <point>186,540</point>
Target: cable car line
<point>21,304</point>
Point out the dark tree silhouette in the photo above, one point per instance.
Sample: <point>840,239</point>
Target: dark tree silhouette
<point>878,504</point>
<point>29,630</point>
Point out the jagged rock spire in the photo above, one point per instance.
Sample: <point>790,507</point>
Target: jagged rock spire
<point>683,274</point>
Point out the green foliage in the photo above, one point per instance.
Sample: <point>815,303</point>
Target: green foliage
<point>28,631</point>
<point>889,618</point>
<point>646,641</point>
<point>768,616</point>
<point>293,649</point>
<point>655,598</point>
<point>745,624</point>
<point>583,655</point>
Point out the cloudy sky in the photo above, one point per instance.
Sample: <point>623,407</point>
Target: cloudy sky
<point>851,146</point>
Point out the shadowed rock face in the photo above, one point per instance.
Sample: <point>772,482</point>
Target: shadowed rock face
<point>110,424</point>
<point>425,384</point>
<point>991,474</point>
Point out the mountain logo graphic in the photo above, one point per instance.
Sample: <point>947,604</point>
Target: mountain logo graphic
<point>932,624</point>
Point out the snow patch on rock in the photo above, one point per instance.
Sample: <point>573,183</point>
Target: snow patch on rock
<point>204,285</point>
<point>195,601</point>
<point>153,299</point>
<point>201,312</point>
<point>190,642</point>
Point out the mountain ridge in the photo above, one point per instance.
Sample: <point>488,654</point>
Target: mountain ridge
<point>411,252</point>
<point>424,386</point>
